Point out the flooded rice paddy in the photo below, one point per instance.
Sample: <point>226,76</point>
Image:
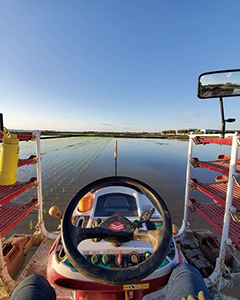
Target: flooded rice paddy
<point>70,163</point>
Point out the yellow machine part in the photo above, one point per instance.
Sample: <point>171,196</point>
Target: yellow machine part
<point>85,204</point>
<point>9,159</point>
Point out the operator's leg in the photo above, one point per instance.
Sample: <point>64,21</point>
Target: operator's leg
<point>185,280</point>
<point>34,287</point>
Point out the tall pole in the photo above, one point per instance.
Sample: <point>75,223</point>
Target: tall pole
<point>115,157</point>
<point>1,122</point>
<point>222,116</point>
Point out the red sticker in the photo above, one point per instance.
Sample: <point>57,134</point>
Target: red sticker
<point>117,226</point>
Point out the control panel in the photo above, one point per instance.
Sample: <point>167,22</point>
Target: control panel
<point>119,257</point>
<point>107,255</point>
<point>119,260</point>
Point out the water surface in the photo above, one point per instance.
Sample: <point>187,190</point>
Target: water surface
<point>70,163</point>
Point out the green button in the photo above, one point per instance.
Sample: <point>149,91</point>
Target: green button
<point>86,256</point>
<point>95,259</point>
<point>158,225</point>
<point>147,254</point>
<point>136,223</point>
<point>105,259</point>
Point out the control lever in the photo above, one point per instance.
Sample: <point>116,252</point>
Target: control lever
<point>234,214</point>
<point>146,216</point>
<point>55,212</point>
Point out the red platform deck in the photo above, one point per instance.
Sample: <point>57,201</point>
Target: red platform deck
<point>28,161</point>
<point>221,165</point>
<point>206,140</point>
<point>9,192</point>
<point>12,213</point>
<point>22,137</point>
<point>213,213</point>
<point>217,191</point>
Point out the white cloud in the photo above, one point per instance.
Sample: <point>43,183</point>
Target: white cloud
<point>192,113</point>
<point>105,124</point>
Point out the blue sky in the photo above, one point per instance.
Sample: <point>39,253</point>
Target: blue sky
<point>115,65</point>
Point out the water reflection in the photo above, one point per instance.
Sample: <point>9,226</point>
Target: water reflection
<point>162,165</point>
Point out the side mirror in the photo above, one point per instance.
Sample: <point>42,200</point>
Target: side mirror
<point>220,84</point>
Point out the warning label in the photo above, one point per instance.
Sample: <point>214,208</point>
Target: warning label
<point>128,287</point>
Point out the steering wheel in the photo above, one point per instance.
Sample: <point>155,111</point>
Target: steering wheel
<point>160,238</point>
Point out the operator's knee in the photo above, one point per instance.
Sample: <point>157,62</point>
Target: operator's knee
<point>184,269</point>
<point>34,287</point>
<point>185,280</point>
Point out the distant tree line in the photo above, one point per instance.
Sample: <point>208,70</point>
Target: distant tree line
<point>181,131</point>
<point>169,132</point>
<point>187,131</point>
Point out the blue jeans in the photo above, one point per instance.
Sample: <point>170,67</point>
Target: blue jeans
<point>185,280</point>
<point>34,287</point>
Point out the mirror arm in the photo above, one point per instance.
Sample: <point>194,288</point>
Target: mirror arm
<point>1,122</point>
<point>223,118</point>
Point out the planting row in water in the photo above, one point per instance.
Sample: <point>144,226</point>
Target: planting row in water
<point>62,162</point>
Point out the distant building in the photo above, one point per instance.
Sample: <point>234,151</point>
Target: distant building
<point>186,131</point>
<point>192,130</point>
<point>210,131</point>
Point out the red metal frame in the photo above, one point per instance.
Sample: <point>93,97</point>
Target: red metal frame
<point>217,191</point>
<point>203,140</point>
<point>22,137</point>
<point>27,161</point>
<point>12,213</point>
<point>9,192</point>
<point>220,165</point>
<point>213,213</point>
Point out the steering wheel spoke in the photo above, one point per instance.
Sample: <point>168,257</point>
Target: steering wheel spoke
<point>150,236</point>
<point>78,234</point>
